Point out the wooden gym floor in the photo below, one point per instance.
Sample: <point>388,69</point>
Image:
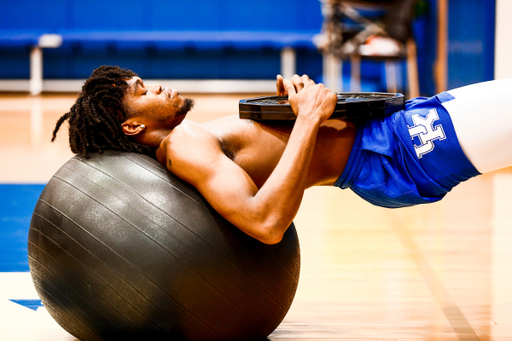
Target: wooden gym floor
<point>435,272</point>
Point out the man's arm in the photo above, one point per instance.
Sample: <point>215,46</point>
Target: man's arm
<point>263,213</point>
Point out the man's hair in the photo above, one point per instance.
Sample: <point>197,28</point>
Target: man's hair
<point>95,118</point>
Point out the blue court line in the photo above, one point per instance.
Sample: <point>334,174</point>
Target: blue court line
<point>17,204</point>
<point>31,304</point>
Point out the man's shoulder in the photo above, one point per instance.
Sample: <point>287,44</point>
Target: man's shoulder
<point>191,152</point>
<point>191,132</point>
<point>190,142</point>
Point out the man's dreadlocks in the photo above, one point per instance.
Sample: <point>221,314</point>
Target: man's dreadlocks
<point>95,119</point>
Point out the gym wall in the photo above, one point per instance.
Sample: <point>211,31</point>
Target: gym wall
<point>76,61</point>
<point>470,54</point>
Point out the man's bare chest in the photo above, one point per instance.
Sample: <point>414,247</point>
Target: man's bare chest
<point>254,147</point>
<point>257,148</point>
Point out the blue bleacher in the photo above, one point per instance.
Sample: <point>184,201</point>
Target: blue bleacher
<point>146,34</point>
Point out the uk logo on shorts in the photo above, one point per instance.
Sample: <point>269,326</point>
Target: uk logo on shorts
<point>424,129</point>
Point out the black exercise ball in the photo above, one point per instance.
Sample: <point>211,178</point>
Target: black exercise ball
<point>121,249</point>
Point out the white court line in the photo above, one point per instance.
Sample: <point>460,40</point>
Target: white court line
<point>17,285</point>
<point>19,323</point>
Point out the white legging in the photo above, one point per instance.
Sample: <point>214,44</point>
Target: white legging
<point>482,116</point>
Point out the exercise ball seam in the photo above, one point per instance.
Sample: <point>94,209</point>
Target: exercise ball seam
<point>178,222</point>
<point>133,191</point>
<point>124,259</point>
<point>62,265</point>
<point>150,171</point>
<point>56,300</point>
<point>97,277</point>
<point>68,321</point>
<point>157,165</point>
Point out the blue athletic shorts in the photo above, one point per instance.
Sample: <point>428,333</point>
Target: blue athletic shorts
<point>411,157</point>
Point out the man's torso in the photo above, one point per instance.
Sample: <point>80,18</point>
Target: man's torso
<point>258,147</point>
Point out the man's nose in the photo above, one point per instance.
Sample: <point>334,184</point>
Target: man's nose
<point>157,88</point>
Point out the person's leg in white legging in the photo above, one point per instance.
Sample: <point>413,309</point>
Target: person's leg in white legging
<point>482,118</point>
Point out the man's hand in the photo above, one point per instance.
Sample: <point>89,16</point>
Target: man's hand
<point>297,81</point>
<point>309,99</point>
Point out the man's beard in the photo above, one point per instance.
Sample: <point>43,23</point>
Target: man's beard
<point>187,105</point>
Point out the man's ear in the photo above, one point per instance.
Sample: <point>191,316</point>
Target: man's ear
<point>132,127</point>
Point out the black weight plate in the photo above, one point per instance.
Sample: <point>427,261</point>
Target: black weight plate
<point>350,106</point>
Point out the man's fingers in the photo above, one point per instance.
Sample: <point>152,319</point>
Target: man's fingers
<point>289,87</point>
<point>306,79</point>
<point>281,91</point>
<point>298,82</point>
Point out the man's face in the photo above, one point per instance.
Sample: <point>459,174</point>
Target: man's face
<point>163,107</point>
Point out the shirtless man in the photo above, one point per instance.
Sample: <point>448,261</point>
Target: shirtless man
<point>255,174</point>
